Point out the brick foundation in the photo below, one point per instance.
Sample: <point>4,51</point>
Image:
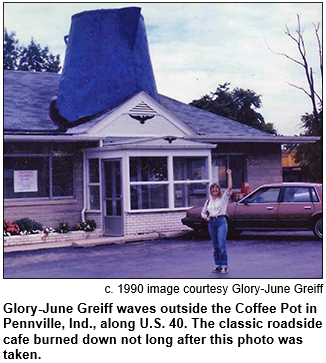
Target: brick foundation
<point>139,223</point>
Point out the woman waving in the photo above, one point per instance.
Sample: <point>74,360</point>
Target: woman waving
<point>214,212</point>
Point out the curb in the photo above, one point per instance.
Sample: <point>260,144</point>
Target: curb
<point>100,241</point>
<point>114,240</point>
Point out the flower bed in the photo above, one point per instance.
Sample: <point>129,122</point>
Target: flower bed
<point>26,231</point>
<point>50,238</point>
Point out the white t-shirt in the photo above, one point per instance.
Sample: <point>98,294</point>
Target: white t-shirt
<point>217,207</point>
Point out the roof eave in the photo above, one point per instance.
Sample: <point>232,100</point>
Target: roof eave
<point>255,139</point>
<point>45,138</point>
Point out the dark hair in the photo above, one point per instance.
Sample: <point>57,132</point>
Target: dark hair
<point>216,185</point>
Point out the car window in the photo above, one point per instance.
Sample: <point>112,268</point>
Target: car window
<point>314,195</point>
<point>296,195</point>
<point>264,195</point>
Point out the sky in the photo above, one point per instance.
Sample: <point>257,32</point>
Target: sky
<point>195,47</point>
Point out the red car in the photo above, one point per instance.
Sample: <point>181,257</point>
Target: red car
<point>271,207</point>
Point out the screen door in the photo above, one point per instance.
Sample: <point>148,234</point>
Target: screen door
<point>112,198</point>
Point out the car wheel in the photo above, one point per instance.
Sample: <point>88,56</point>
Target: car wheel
<point>318,228</point>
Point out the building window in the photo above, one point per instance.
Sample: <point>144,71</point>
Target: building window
<point>148,183</point>
<point>144,169</point>
<point>94,184</point>
<point>62,176</point>
<point>222,162</point>
<point>155,182</point>
<point>190,181</point>
<point>149,196</point>
<point>38,176</point>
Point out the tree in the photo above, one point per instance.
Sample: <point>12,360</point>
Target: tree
<point>239,105</point>
<point>30,58</point>
<point>10,51</point>
<point>309,155</point>
<point>303,62</point>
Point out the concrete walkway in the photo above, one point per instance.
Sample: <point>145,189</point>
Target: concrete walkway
<point>92,242</point>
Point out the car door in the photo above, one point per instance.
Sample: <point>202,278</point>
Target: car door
<point>296,207</point>
<point>258,210</point>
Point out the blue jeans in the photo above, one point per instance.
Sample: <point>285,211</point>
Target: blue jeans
<point>218,229</point>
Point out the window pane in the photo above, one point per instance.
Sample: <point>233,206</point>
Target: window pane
<point>93,166</point>
<point>236,164</point>
<point>219,167</point>
<point>314,195</point>
<point>112,179</point>
<point>185,168</point>
<point>187,195</point>
<point>220,163</point>
<point>38,165</point>
<point>62,176</point>
<point>149,196</point>
<point>94,197</point>
<point>26,148</point>
<point>148,169</point>
<point>296,195</point>
<point>113,207</point>
<point>264,195</point>
<point>302,195</point>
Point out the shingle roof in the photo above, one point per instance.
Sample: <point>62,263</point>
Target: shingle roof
<point>207,123</point>
<point>27,97</point>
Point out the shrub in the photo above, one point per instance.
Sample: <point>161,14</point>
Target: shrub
<point>63,227</point>
<point>90,225</point>
<point>87,226</point>
<point>28,225</point>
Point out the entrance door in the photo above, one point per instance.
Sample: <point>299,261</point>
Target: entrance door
<point>112,198</point>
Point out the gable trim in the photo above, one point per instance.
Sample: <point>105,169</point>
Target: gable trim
<point>130,105</point>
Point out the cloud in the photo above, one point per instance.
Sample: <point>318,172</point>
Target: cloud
<point>197,46</point>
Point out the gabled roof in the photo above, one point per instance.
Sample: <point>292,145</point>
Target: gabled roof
<point>27,98</point>
<point>138,116</point>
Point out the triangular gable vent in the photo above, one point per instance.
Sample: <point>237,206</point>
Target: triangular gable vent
<point>142,109</point>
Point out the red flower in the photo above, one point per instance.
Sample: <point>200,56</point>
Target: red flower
<point>11,227</point>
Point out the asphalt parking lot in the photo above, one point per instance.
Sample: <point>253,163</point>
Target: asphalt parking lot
<point>269,255</point>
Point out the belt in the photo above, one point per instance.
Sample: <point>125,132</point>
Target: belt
<point>215,217</point>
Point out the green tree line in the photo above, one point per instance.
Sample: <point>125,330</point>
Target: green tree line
<point>30,58</point>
